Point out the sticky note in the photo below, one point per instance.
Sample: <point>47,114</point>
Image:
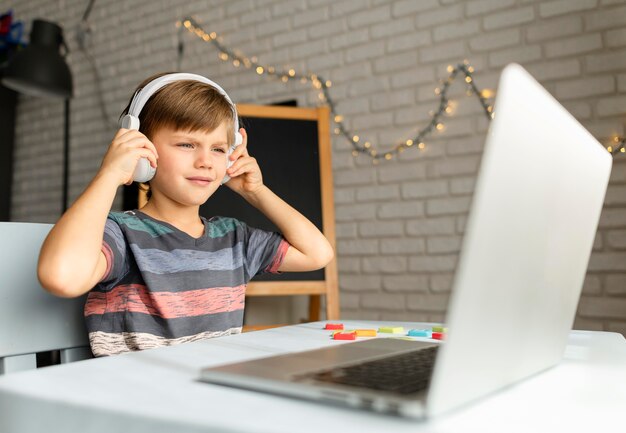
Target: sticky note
<point>420,333</point>
<point>344,335</point>
<point>392,330</point>
<point>439,335</point>
<point>334,326</point>
<point>440,329</point>
<point>365,333</point>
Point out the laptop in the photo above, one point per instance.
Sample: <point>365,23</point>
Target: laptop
<point>529,235</point>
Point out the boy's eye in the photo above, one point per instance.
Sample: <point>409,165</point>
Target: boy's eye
<point>219,149</point>
<point>186,145</point>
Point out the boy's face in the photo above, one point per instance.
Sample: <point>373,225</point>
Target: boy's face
<point>191,165</point>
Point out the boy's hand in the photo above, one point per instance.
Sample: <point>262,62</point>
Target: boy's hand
<point>245,173</point>
<point>127,147</point>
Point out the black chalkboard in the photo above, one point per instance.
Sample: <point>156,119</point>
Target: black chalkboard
<point>287,151</point>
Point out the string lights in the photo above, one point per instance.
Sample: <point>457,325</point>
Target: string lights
<point>359,145</point>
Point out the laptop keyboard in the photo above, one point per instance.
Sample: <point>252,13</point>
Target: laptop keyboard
<point>406,373</point>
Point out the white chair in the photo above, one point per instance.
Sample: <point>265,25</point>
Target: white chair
<point>32,320</point>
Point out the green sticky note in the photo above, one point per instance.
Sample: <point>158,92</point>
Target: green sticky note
<point>392,330</point>
<point>439,329</point>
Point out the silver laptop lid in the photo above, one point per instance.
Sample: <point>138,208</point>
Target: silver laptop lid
<point>528,239</point>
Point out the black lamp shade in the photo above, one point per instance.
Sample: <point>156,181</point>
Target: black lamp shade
<point>39,69</point>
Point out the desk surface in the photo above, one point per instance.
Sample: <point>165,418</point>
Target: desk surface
<point>157,391</point>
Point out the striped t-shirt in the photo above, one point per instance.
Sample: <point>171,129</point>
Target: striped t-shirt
<point>163,287</point>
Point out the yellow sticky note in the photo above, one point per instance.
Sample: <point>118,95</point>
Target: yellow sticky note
<point>366,333</point>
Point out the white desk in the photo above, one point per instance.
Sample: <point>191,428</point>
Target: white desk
<point>156,391</point>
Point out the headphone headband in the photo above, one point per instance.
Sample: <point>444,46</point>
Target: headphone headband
<point>142,95</point>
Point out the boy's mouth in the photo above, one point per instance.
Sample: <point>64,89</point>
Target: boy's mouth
<point>200,180</point>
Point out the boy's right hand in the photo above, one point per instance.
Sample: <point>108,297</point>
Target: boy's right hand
<point>127,147</point>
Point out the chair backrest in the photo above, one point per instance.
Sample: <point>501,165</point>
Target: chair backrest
<point>32,320</point>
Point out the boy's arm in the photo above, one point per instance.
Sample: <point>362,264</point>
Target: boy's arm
<point>310,248</point>
<point>71,261</point>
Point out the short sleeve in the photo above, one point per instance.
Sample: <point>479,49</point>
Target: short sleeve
<point>264,250</point>
<point>115,252</point>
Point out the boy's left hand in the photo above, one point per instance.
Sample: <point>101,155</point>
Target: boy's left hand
<point>245,172</point>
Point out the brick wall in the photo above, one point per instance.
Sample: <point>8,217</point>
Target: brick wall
<point>399,224</point>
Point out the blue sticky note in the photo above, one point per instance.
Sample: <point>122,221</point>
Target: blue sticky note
<point>420,333</point>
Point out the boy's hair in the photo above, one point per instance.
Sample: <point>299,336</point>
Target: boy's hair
<point>186,105</point>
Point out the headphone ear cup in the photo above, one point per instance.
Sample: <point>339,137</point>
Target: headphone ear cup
<point>238,138</point>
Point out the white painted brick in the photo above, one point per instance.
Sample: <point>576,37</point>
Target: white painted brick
<point>521,54</point>
<point>380,229</point>
<point>441,283</point>
<point>311,16</point>
<point>560,7</point>
<point>357,247</point>
<point>587,324</point>
<point>386,29</point>
<point>384,264</point>
<point>452,51</point>
<point>349,265</point>
<point>377,193</point>
<point>430,302</point>
<point>401,210</point>
<point>448,206</point>
<point>288,7</point>
<point>360,283</point>
<point>349,301</point>
<point>554,69</point>
<point>406,283</point>
<point>408,41</point>
<point>443,244</point>
<point>611,106</point>
<point>346,230</point>
<point>402,246</point>
<point>605,19</point>
<point>615,284</point>
<point>456,31</point>
<point>354,177</point>
<point>326,29</point>
<point>455,166</point>
<point>585,87</point>
<point>401,173</point>
<point>440,15</point>
<point>443,263</point>
<point>612,261</point>
<point>414,76</point>
<point>359,212</point>
<point>602,307</point>
<point>462,186</point>
<point>576,45</point>
<point>290,38</point>
<point>616,239</point>
<point>425,189</point>
<point>431,226</point>
<point>555,28</point>
<point>615,195</point>
<point>395,62</point>
<point>348,39</point>
<point>494,40</point>
<point>616,38</point>
<point>408,7</point>
<point>482,7</point>
<point>508,18</point>
<point>368,86</point>
<point>384,301</point>
<point>592,285</point>
<point>345,7</point>
<point>365,51</point>
<point>369,16</point>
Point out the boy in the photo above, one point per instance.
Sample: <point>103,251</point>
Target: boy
<point>164,275</point>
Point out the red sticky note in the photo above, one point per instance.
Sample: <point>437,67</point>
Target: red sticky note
<point>334,326</point>
<point>345,336</point>
<point>439,335</point>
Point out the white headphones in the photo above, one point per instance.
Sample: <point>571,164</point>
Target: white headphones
<point>144,171</point>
